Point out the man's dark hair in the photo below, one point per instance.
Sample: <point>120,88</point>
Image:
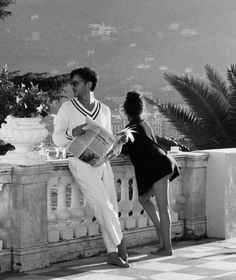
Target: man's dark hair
<point>133,105</point>
<point>87,74</point>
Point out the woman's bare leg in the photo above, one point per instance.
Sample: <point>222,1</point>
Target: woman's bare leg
<point>161,192</point>
<point>152,212</point>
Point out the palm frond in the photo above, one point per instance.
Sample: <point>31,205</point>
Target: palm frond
<point>179,112</point>
<point>191,126</point>
<point>187,123</point>
<point>217,83</point>
<point>201,99</point>
<point>231,76</point>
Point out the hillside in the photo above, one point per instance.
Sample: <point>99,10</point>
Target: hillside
<point>128,43</point>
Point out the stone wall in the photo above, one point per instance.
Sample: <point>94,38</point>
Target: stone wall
<point>44,219</point>
<point>221,193</point>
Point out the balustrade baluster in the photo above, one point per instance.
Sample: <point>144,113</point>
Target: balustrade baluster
<point>125,204</point>
<point>141,219</point>
<point>77,212</point>
<point>174,215</point>
<point>92,226</point>
<point>75,209</point>
<point>61,212</point>
<point>51,183</point>
<point>53,232</point>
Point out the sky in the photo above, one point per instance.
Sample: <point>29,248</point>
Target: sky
<point>129,43</point>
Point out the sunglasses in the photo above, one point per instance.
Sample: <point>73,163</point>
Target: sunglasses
<point>75,83</point>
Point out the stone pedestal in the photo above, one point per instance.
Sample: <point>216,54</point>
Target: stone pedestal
<point>221,193</point>
<point>29,211</point>
<point>23,133</point>
<point>5,206</point>
<point>194,192</point>
<point>5,261</point>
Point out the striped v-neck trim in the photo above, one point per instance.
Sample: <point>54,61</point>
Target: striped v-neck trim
<point>93,114</point>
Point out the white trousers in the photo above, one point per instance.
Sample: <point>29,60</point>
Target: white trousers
<point>98,186</point>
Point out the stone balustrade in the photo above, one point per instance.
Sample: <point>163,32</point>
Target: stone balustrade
<point>44,218</point>
<point>6,222</point>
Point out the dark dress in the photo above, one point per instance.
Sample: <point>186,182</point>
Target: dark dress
<point>150,161</point>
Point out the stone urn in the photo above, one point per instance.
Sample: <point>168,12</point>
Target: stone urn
<point>24,134</point>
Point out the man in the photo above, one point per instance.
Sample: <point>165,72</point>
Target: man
<point>97,183</point>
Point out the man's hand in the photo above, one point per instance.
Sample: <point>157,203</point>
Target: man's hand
<point>78,130</point>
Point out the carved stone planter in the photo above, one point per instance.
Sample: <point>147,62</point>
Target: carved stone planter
<point>24,134</point>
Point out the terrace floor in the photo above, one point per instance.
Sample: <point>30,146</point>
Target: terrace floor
<point>192,260</point>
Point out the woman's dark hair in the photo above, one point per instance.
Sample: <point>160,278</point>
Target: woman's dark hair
<point>133,105</point>
<point>87,74</point>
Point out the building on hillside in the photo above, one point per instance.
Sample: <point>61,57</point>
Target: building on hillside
<point>118,122</point>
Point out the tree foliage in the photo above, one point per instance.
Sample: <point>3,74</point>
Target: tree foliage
<point>44,81</point>
<point>25,100</point>
<point>3,5</point>
<point>209,120</point>
<point>166,143</point>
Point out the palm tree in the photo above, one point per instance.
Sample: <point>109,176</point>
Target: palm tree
<point>210,119</point>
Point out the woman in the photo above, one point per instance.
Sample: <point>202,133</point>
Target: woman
<point>153,170</point>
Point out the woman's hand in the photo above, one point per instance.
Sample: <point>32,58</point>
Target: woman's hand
<point>78,130</point>
<point>123,139</point>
